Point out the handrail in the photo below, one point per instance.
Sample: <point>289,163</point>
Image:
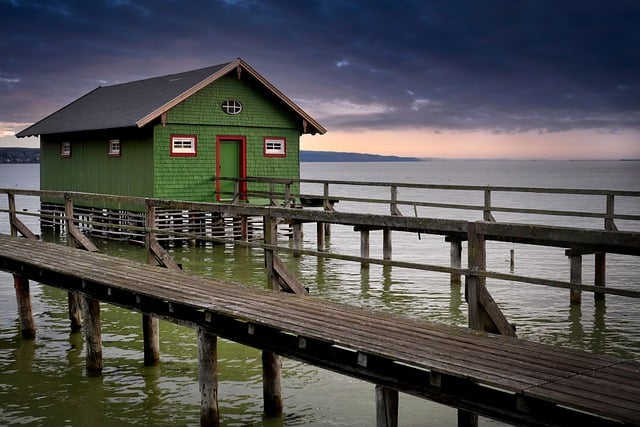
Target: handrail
<point>608,240</point>
<point>606,212</point>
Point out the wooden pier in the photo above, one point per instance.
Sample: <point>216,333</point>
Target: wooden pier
<point>495,376</point>
<point>480,373</point>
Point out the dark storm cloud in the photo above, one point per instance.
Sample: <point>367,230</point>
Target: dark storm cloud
<point>496,65</point>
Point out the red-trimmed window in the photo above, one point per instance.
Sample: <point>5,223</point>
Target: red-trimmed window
<point>65,149</point>
<point>114,147</point>
<point>184,145</point>
<point>275,147</point>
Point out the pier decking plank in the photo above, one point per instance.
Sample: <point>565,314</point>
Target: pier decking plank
<point>501,377</point>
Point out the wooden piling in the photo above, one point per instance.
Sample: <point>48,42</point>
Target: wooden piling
<point>364,247</point>
<point>208,378</point>
<point>320,234</point>
<point>74,301</point>
<point>150,324</point>
<point>456,260</point>
<point>600,275</point>
<point>92,335</point>
<point>386,243</point>
<point>575,260</point>
<point>25,313</point>
<point>271,385</point>
<point>271,364</point>
<point>297,239</point>
<point>386,407</point>
<point>151,337</point>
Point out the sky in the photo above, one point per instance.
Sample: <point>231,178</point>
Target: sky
<point>523,79</point>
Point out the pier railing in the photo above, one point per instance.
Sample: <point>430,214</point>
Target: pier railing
<point>188,222</point>
<point>610,208</point>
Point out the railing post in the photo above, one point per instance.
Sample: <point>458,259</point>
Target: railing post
<point>271,364</point>
<point>326,205</point>
<point>486,213</point>
<point>477,260</point>
<point>600,279</point>
<point>394,201</point>
<point>12,214</point>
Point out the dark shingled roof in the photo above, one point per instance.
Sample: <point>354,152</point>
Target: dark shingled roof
<point>136,103</point>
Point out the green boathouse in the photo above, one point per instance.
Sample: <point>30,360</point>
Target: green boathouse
<point>173,137</point>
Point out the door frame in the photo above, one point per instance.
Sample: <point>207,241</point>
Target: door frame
<point>242,169</point>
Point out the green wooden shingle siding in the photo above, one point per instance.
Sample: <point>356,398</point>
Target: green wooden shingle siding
<point>90,169</point>
<point>192,178</point>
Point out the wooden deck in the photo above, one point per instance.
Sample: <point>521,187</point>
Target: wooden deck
<point>500,377</point>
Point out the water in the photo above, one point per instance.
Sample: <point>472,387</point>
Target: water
<point>43,382</point>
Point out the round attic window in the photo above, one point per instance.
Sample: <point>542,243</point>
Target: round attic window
<point>231,106</point>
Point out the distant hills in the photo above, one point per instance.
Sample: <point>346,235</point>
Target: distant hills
<point>335,156</point>
<point>19,155</point>
<point>32,155</point>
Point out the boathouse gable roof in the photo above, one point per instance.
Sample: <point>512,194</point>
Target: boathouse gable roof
<point>138,103</point>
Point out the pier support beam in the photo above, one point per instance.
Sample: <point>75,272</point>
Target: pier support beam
<point>74,301</point>
<point>25,313</point>
<point>297,239</point>
<point>151,334</point>
<point>271,364</point>
<point>271,385</point>
<point>456,260</point>
<point>575,295</point>
<point>320,233</point>
<point>600,275</point>
<point>386,407</point>
<point>364,247</point>
<point>386,243</point>
<point>92,335</point>
<point>208,378</point>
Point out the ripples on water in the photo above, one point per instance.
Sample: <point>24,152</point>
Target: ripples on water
<point>43,382</point>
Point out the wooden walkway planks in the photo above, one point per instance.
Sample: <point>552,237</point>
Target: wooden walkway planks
<point>424,357</point>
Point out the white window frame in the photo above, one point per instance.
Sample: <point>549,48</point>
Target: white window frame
<point>65,149</point>
<point>184,145</point>
<point>114,147</point>
<point>275,147</point>
<point>232,106</point>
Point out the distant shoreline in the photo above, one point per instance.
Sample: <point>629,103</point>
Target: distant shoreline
<point>16,155</point>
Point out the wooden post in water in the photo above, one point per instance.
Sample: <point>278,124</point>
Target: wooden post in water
<point>150,324</point>
<point>600,275</point>
<point>455,259</point>
<point>25,313</point>
<point>92,335</point>
<point>208,378</point>
<point>476,261</point>
<point>364,247</point>
<point>575,260</point>
<point>74,299</point>
<point>386,243</point>
<point>297,239</point>
<point>386,407</point>
<point>320,233</point>
<point>21,284</point>
<point>271,364</point>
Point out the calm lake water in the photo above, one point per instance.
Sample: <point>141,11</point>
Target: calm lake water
<point>43,381</point>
